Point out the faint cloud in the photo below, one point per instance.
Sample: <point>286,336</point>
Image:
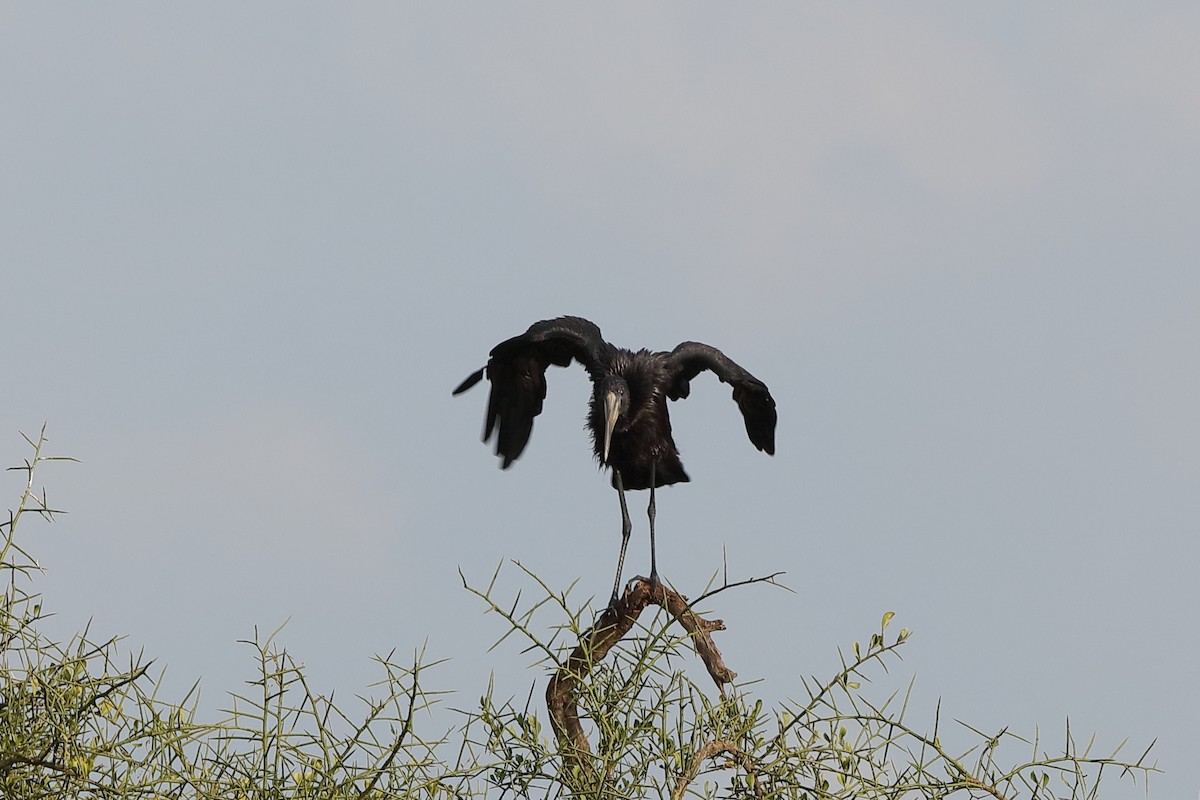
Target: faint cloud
<point>580,92</point>
<point>1155,66</point>
<point>721,137</point>
<point>267,483</point>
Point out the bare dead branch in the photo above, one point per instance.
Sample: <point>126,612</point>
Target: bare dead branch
<point>616,621</point>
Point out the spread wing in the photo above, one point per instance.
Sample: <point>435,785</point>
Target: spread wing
<point>753,398</point>
<point>517,372</point>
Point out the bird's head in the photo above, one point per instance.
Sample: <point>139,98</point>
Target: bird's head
<point>613,392</point>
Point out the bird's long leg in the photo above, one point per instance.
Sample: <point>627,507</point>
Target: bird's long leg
<point>626,529</point>
<point>650,511</point>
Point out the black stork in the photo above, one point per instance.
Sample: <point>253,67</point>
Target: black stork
<point>628,419</point>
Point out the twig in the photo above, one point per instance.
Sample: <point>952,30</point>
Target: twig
<point>712,750</point>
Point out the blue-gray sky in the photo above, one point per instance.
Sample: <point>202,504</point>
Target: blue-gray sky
<point>247,251</point>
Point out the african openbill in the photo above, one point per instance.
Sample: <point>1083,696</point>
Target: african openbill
<point>631,430</point>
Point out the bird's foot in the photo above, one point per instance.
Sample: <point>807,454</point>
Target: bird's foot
<point>618,597</point>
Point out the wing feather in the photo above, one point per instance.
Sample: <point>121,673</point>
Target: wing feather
<point>517,373</point>
<point>751,395</point>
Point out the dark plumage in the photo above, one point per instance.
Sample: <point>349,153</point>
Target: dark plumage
<point>628,419</point>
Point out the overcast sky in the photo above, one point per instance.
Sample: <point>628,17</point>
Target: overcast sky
<point>248,249</point>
